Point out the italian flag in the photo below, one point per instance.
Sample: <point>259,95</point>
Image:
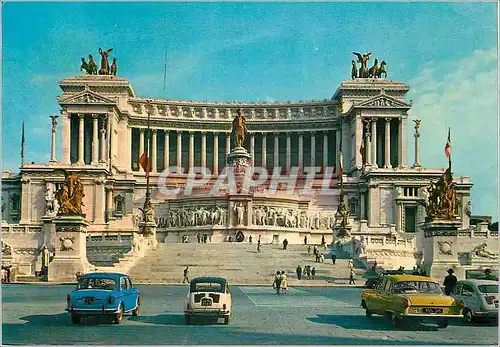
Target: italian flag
<point>447,147</point>
<point>144,162</point>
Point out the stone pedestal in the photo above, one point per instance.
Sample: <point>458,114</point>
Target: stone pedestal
<point>239,159</point>
<point>148,229</point>
<point>49,233</point>
<point>70,251</point>
<point>441,249</point>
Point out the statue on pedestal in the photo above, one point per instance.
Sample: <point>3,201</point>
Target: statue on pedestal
<point>70,196</point>
<point>440,198</point>
<point>363,59</point>
<point>239,130</point>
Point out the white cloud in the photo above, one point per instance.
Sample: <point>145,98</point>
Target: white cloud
<point>462,95</point>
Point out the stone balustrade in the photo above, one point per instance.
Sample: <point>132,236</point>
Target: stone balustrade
<point>479,231</point>
<point>385,242</point>
<point>16,228</point>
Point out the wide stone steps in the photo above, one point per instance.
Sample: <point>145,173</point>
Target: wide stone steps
<point>237,262</point>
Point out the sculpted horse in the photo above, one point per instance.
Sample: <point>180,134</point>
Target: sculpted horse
<point>239,131</point>
<point>373,71</point>
<point>382,69</point>
<point>104,61</point>
<point>354,70</point>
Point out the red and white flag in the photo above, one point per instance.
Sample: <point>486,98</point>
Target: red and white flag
<point>144,162</point>
<point>447,147</point>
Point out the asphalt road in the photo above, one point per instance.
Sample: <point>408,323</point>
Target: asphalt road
<point>34,314</point>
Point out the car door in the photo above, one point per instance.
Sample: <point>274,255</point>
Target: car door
<point>134,292</point>
<point>386,298</point>
<point>124,293</point>
<point>456,293</point>
<point>374,301</point>
<point>469,297</point>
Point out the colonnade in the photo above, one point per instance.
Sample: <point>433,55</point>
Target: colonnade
<point>278,148</point>
<point>98,140</point>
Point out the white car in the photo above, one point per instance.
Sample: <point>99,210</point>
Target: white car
<point>480,298</point>
<point>208,296</point>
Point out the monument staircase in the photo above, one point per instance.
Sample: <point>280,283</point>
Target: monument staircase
<point>239,263</point>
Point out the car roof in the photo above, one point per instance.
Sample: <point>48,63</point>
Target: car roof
<point>209,279</point>
<point>113,275</point>
<point>399,278</point>
<point>478,282</point>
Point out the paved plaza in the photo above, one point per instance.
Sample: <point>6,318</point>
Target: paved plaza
<point>34,314</point>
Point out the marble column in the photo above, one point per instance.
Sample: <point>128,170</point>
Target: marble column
<point>191,150</point>
<point>179,150</point>
<point>141,146</point>
<point>252,148</point>
<point>399,215</point>
<point>81,134</point>
<point>154,148</point>
<point>66,136</point>
<point>368,145</point>
<point>216,155</point>
<point>288,152</point>
<point>387,157</point>
<point>103,141</point>
<point>264,150</point>
<point>325,150</point>
<point>337,150</point>
<point>301,152</point>
<point>53,143</point>
<point>374,142</point>
<point>99,201</point>
<point>359,140</point>
<point>203,149</point>
<point>228,143</point>
<point>276,150</point>
<point>166,151</point>
<point>417,148</point>
<point>313,149</point>
<point>402,162</point>
<point>95,138</point>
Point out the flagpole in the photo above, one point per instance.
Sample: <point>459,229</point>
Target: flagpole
<point>449,139</point>
<point>148,158</point>
<point>22,145</point>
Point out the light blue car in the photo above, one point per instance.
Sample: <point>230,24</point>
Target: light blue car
<point>110,294</point>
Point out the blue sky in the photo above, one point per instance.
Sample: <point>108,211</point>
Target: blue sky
<point>447,52</point>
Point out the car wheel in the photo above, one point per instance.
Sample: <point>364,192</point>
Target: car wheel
<point>76,318</point>
<point>468,317</point>
<point>187,319</point>
<point>397,322</point>
<point>135,312</point>
<point>226,320</point>
<point>442,323</point>
<point>119,315</point>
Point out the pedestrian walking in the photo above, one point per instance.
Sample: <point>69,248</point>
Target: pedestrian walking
<point>258,245</point>
<point>315,251</point>
<point>308,271</point>
<point>284,283</point>
<point>285,244</point>
<point>334,258</point>
<point>313,273</point>
<point>323,242</point>
<point>351,276</point>
<point>305,240</point>
<point>186,278</point>
<point>299,272</point>
<point>449,282</point>
<point>250,239</point>
<point>321,258</point>
<point>309,250</point>
<point>277,282</point>
<point>351,263</point>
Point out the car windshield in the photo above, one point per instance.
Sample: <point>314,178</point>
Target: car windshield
<point>206,287</point>
<point>488,288</point>
<point>416,287</point>
<point>96,283</point>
